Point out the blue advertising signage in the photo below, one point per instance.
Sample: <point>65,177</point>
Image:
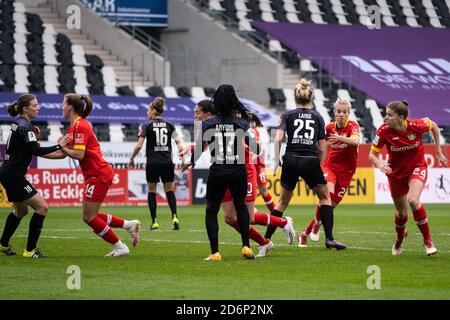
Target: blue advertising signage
<point>131,12</point>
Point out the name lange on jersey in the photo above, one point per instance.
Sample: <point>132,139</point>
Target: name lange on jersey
<point>405,148</point>
<point>224,127</point>
<point>304,115</point>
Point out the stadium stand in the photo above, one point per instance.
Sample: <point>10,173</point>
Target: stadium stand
<point>46,60</point>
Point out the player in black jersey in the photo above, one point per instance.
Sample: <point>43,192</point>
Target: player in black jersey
<point>224,133</point>
<point>305,147</point>
<point>21,146</point>
<point>159,134</point>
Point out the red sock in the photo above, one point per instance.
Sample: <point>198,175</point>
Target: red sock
<point>269,202</point>
<point>254,234</point>
<point>264,219</point>
<point>318,214</point>
<point>420,215</point>
<point>310,226</point>
<point>400,225</point>
<point>103,230</point>
<point>112,221</point>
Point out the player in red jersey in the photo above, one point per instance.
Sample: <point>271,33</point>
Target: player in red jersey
<point>256,218</point>
<point>339,165</point>
<point>98,174</point>
<point>260,167</point>
<point>406,168</point>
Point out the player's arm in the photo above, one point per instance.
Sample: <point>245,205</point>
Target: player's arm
<point>351,141</point>
<point>55,155</point>
<point>435,132</point>
<point>276,149</point>
<point>252,142</point>
<point>39,151</point>
<point>373,157</point>
<point>322,147</point>
<point>136,150</point>
<point>75,153</point>
<point>180,147</point>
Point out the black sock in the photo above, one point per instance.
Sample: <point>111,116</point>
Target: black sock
<point>151,200</point>
<point>243,220</point>
<point>34,231</point>
<point>212,228</point>
<point>172,200</point>
<point>12,222</point>
<point>327,217</point>
<point>271,229</point>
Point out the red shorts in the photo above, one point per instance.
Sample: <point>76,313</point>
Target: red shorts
<point>95,190</point>
<point>251,187</point>
<point>261,175</point>
<point>341,182</point>
<point>400,187</point>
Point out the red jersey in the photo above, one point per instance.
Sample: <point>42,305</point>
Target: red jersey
<point>405,148</point>
<point>342,158</point>
<point>93,164</point>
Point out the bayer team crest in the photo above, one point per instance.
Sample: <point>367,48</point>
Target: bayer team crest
<point>411,136</point>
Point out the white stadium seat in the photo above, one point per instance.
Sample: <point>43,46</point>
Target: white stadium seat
<point>109,76</point>
<point>140,91</point>
<point>198,92</point>
<point>51,75</point>
<point>170,92</point>
<point>78,57</point>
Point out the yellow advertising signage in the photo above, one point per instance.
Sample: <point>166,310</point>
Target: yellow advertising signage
<point>360,191</point>
<point>4,203</point>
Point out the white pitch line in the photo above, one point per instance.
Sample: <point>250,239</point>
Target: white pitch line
<point>236,243</point>
<point>204,230</point>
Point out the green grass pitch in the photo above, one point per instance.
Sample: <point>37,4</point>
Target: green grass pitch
<point>169,264</point>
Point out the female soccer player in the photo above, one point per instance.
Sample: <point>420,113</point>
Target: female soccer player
<point>203,110</point>
<point>406,169</point>
<point>21,146</point>
<point>258,218</point>
<point>339,165</point>
<point>159,134</point>
<point>223,133</point>
<point>98,174</point>
<point>305,132</point>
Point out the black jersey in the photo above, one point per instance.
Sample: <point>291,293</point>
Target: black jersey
<point>225,137</point>
<point>19,151</point>
<point>159,134</point>
<point>303,127</point>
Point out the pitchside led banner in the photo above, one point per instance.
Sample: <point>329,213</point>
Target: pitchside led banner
<point>126,109</point>
<point>131,12</point>
<point>392,63</point>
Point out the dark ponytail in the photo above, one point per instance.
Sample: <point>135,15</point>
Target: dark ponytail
<point>255,119</point>
<point>82,105</point>
<point>158,105</point>
<point>16,108</point>
<point>225,102</point>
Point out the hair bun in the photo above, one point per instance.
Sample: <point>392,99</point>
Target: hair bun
<point>405,102</point>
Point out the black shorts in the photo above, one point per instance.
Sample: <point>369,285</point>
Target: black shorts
<point>218,184</point>
<point>307,168</point>
<point>165,171</point>
<point>18,189</point>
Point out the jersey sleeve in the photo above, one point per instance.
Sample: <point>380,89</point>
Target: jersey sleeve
<point>27,134</point>
<point>142,131</point>
<point>329,130</point>
<point>379,141</point>
<point>421,125</point>
<point>81,134</point>
<point>282,122</point>
<point>321,133</point>
<point>355,133</point>
<point>174,131</point>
